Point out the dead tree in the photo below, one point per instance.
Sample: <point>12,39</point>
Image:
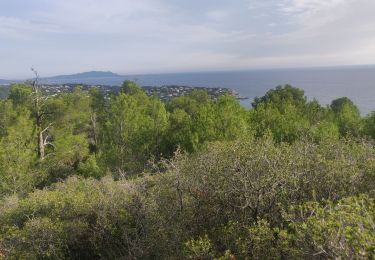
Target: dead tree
<point>42,131</point>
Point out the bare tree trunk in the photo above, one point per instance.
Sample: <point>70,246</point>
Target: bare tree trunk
<point>94,130</point>
<point>39,114</point>
<point>41,150</point>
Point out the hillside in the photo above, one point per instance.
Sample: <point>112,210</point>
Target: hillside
<point>87,176</point>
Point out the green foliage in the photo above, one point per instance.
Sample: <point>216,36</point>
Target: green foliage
<point>196,120</point>
<point>195,178</point>
<point>287,123</point>
<point>348,116</point>
<point>134,130</point>
<point>90,168</point>
<point>369,125</point>
<point>20,94</point>
<point>325,131</point>
<point>68,133</point>
<point>7,116</point>
<point>78,219</point>
<point>259,242</point>
<point>237,193</point>
<point>285,112</point>
<point>338,105</point>
<point>17,158</point>
<point>231,119</point>
<point>342,230</point>
<point>98,116</point>
<point>192,122</point>
<point>130,88</point>
<point>277,174</point>
<point>180,131</point>
<point>190,103</point>
<point>281,95</point>
<point>200,248</point>
<point>4,91</point>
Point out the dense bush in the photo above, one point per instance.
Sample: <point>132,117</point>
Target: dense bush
<point>83,219</point>
<point>250,181</point>
<point>251,198</point>
<point>336,230</point>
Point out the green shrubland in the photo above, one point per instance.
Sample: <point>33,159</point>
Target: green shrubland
<point>131,177</point>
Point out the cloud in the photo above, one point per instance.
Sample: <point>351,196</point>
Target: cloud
<point>18,28</point>
<point>143,36</point>
<point>307,6</point>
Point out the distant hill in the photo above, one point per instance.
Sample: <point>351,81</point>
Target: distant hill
<point>89,74</point>
<point>6,81</point>
<point>3,81</point>
<point>90,77</point>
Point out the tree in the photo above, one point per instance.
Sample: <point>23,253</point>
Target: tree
<point>180,132</point>
<point>70,115</point>
<point>190,103</point>
<point>281,95</point>
<point>231,118</point>
<point>369,125</point>
<point>7,115</point>
<point>130,88</point>
<point>286,113</point>
<point>17,157</point>
<point>338,104</point>
<point>136,124</point>
<point>285,121</point>
<point>191,182</point>
<point>98,113</point>
<point>42,128</point>
<point>20,95</point>
<point>347,116</point>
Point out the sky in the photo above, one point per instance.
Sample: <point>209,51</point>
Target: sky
<point>163,36</point>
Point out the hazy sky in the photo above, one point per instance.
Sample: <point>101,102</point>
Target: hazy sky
<point>152,36</point>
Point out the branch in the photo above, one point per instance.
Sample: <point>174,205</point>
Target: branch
<point>35,73</point>
<point>45,129</point>
<point>35,83</point>
<point>45,140</point>
<point>44,114</point>
<point>51,144</point>
<point>49,154</point>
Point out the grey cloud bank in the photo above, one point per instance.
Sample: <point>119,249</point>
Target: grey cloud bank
<point>152,36</point>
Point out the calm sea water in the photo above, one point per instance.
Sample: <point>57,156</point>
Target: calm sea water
<point>356,83</point>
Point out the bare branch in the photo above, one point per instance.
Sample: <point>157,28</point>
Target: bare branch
<point>35,73</point>
<point>45,129</point>
<point>51,144</point>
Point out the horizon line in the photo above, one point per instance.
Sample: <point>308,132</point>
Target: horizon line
<point>207,71</point>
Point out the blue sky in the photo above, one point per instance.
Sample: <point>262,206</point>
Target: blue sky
<point>156,36</point>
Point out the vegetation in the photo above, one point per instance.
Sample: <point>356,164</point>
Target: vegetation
<point>131,177</point>
<point>4,91</point>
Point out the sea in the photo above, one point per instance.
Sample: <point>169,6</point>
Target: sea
<point>323,84</point>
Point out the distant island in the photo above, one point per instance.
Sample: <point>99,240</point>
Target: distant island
<point>83,75</point>
<point>89,77</point>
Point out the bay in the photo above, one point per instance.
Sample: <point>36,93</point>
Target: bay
<point>323,84</point>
